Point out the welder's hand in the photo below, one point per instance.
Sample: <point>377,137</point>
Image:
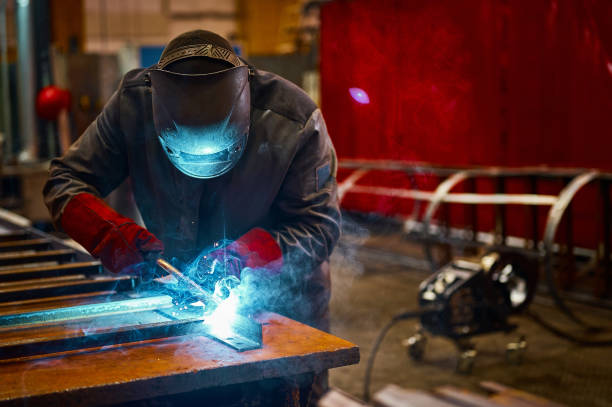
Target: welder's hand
<point>118,241</point>
<point>256,249</point>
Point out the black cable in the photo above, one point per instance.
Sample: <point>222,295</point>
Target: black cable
<point>565,335</point>
<point>397,318</point>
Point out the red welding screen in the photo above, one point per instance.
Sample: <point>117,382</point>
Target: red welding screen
<point>483,82</point>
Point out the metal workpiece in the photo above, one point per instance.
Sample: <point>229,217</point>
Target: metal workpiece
<point>59,315</point>
<point>117,322</point>
<point>242,333</point>
<point>230,328</point>
<point>91,337</point>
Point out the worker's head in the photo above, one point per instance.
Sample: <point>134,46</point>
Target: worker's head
<point>201,104</point>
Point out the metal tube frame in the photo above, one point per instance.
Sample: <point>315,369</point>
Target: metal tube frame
<point>575,178</point>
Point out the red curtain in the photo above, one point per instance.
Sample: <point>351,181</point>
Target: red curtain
<point>482,82</point>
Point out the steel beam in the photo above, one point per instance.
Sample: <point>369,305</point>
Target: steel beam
<point>59,315</point>
<point>53,287</point>
<point>26,273</point>
<point>37,257</point>
<point>28,244</point>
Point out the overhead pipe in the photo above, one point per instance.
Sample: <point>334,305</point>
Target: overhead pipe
<point>4,79</point>
<point>26,80</point>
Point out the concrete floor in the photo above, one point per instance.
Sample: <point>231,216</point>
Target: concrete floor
<point>369,286</point>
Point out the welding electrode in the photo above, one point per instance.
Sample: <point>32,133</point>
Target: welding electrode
<point>194,288</point>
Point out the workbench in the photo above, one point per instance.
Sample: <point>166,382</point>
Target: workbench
<point>173,370</point>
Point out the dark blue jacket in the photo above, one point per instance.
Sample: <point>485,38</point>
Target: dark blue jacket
<point>284,182</point>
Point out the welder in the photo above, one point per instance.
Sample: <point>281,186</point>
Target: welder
<point>216,150</point>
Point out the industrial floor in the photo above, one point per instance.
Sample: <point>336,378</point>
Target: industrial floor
<point>376,276</point>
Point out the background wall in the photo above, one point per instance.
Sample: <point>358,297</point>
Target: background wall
<point>476,82</point>
<point>110,24</point>
<point>470,82</point>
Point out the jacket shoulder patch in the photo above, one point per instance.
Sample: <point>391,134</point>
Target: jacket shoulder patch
<point>322,175</point>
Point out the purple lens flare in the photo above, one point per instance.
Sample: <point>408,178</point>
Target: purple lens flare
<point>359,95</point>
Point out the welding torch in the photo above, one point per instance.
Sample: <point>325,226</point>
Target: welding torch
<point>193,287</point>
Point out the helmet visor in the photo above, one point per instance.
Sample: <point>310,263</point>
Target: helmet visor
<point>202,121</point>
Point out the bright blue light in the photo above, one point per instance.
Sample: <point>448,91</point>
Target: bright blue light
<point>359,95</point>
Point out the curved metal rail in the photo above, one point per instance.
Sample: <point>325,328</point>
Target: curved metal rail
<point>552,224</point>
<point>443,189</point>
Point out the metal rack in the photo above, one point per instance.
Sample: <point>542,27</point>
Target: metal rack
<point>423,226</point>
<point>56,298</point>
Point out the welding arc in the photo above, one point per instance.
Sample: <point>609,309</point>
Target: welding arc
<point>383,332</point>
<point>194,287</point>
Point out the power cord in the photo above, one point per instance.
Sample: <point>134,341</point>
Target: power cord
<point>383,332</point>
<point>437,308</point>
<point>566,335</point>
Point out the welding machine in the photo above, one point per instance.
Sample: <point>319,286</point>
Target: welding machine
<point>473,297</point>
<point>466,298</point>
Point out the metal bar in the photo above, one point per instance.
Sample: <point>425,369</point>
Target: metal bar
<point>463,243</point>
<point>84,311</point>
<point>473,210</point>
<point>436,169</point>
<point>240,333</point>
<point>445,218</point>
<point>97,338</point>
<point>74,286</point>
<point>10,305</point>
<point>349,183</point>
<point>463,198</point>
<point>27,266</point>
<point>500,214</point>
<point>39,281</point>
<point>26,79</point>
<point>50,255</point>
<point>535,222</point>
<point>605,224</point>
<point>86,267</point>
<point>24,245</point>
<point>14,235</point>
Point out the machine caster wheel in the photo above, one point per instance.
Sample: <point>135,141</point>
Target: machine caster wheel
<point>516,350</point>
<point>415,346</point>
<point>466,357</point>
<point>465,361</point>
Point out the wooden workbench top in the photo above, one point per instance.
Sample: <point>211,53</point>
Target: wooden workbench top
<point>169,366</point>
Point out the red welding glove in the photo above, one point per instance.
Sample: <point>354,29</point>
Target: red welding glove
<point>256,249</point>
<point>118,241</point>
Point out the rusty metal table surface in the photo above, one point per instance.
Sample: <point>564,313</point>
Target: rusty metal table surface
<point>148,369</point>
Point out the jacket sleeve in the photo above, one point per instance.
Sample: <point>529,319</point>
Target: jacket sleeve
<point>307,204</point>
<point>96,163</point>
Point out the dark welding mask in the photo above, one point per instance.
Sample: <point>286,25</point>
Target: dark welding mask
<point>202,119</point>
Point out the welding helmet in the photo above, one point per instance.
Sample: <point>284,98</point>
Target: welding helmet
<point>201,118</point>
